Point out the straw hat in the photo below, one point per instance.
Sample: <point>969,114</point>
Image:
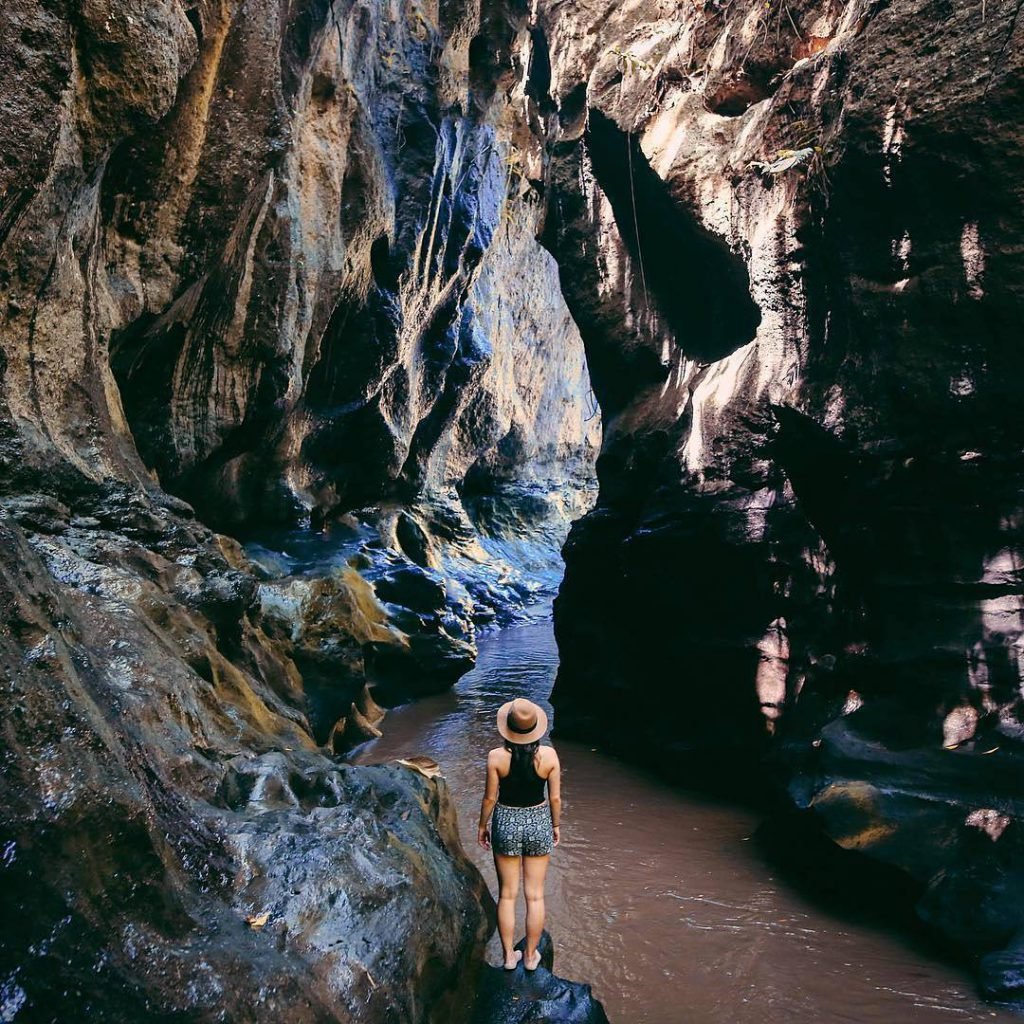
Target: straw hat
<point>521,721</point>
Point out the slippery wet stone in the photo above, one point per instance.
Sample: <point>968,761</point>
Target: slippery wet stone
<point>237,265</point>
<point>159,797</point>
<point>227,332</point>
<point>534,997</point>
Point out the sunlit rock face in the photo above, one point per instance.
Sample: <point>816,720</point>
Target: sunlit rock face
<point>279,261</point>
<point>342,301</point>
<point>175,842</point>
<point>334,274</point>
<point>283,260</point>
<point>790,235</point>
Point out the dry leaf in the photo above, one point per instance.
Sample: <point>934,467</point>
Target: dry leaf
<point>810,47</point>
<point>785,159</point>
<point>257,921</point>
<point>426,766</point>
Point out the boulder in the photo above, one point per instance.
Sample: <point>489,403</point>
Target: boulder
<point>534,997</point>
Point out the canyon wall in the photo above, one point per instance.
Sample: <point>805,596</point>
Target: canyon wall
<point>335,279</point>
<point>262,266</point>
<point>790,234</point>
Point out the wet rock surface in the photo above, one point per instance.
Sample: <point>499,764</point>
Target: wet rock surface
<point>534,997</point>
<point>284,259</point>
<point>343,273</point>
<point>248,256</point>
<point>175,844</point>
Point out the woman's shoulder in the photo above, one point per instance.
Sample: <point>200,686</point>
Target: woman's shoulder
<point>548,757</point>
<point>497,755</point>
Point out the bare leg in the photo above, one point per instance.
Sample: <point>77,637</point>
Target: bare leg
<point>534,871</point>
<point>508,889</point>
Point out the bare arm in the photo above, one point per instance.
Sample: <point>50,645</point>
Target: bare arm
<point>555,795</point>
<point>483,835</point>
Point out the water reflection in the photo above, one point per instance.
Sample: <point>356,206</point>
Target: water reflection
<point>657,898</point>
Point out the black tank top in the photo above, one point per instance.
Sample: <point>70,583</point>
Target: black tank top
<point>524,788</point>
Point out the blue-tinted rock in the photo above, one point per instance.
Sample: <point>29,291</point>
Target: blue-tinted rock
<point>534,997</point>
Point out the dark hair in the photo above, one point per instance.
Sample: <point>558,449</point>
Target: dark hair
<point>522,757</point>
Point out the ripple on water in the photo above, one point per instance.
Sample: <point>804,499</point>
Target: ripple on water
<point>656,897</point>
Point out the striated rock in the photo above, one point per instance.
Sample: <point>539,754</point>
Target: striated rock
<point>287,358</point>
<point>800,322</point>
<point>289,258</point>
<point>174,841</point>
<point>345,272</point>
<point>257,255</point>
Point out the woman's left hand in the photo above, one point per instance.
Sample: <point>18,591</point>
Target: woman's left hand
<point>483,837</point>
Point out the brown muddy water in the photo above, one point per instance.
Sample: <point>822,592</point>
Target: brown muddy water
<point>659,899</point>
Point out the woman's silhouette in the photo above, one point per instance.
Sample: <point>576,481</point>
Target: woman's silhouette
<point>525,828</point>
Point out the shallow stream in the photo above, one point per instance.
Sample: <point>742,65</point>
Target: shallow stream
<point>659,899</point>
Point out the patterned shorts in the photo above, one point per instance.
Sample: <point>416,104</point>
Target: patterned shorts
<point>522,831</point>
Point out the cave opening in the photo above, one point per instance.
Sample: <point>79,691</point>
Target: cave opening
<point>699,287</point>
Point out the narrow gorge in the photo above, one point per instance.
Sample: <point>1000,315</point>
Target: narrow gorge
<point>329,328</point>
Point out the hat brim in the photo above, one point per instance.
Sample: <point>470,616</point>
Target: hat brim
<point>521,737</point>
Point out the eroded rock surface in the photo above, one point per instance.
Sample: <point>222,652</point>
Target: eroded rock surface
<point>342,269</point>
<point>283,259</point>
<point>175,843</point>
<point>280,260</point>
<point>801,325</point>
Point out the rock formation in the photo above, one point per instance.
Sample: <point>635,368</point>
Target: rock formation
<point>278,261</point>
<point>174,843</point>
<point>333,277</point>
<point>283,261</point>
<point>789,233</point>
<point>537,997</point>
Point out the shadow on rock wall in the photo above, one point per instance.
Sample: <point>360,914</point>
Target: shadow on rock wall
<point>807,539</point>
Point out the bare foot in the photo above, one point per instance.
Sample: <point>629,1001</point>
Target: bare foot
<point>512,962</point>
<point>532,962</point>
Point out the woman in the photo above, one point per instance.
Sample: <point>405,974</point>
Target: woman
<point>525,828</point>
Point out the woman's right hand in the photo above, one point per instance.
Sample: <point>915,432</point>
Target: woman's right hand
<point>483,837</point>
<point>555,830</point>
